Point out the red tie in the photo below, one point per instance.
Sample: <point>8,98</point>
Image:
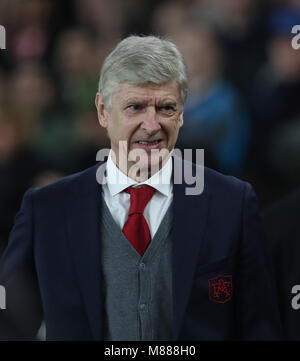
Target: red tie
<point>136,228</point>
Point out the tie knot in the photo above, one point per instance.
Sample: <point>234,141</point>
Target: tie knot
<point>139,198</point>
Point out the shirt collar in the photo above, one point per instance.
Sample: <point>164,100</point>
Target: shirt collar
<point>117,181</point>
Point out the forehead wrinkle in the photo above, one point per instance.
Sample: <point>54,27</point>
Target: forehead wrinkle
<point>145,94</point>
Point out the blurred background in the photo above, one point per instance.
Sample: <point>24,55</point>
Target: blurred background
<point>244,101</point>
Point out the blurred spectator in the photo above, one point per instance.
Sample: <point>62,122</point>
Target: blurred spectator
<point>281,222</point>
<point>32,90</point>
<point>18,168</point>
<point>283,153</point>
<point>29,29</point>
<point>32,27</point>
<point>77,68</point>
<point>169,17</point>
<point>240,26</point>
<point>214,115</point>
<point>32,36</point>
<point>138,15</point>
<point>275,97</point>
<point>103,16</point>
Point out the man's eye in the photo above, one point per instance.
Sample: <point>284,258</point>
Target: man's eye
<point>134,107</point>
<point>167,108</point>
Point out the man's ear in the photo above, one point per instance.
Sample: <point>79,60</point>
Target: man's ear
<point>181,119</point>
<point>102,113</point>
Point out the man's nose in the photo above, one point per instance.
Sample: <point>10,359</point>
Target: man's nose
<point>150,123</point>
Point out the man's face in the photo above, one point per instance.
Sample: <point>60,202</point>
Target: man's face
<point>145,117</point>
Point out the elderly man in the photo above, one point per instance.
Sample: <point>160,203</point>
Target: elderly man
<point>130,255</point>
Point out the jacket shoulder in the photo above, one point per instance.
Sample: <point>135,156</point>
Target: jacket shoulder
<point>80,181</point>
<point>215,181</point>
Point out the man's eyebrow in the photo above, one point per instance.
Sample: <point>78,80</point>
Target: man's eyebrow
<point>168,102</point>
<point>140,101</point>
<point>133,100</point>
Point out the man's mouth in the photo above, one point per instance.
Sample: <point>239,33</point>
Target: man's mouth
<point>145,142</point>
<point>148,145</point>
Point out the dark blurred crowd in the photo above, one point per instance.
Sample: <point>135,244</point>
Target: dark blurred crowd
<point>243,107</point>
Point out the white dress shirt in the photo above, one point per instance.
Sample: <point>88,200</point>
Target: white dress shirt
<point>118,202</point>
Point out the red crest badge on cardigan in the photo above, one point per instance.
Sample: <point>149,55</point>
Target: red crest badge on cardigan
<point>220,288</point>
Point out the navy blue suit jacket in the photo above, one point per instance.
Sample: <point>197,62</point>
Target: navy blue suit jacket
<point>222,285</point>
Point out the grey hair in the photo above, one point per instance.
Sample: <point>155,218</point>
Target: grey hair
<point>138,60</point>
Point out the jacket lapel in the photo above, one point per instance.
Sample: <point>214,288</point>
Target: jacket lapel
<point>83,234</point>
<point>189,223</point>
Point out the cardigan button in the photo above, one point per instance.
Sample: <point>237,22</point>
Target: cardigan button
<point>142,265</point>
<point>142,306</point>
